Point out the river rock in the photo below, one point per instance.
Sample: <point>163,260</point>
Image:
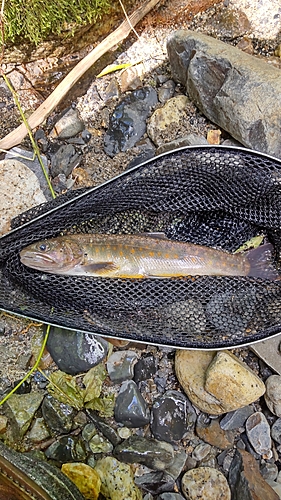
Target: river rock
<point>276,431</point>
<point>156,482</point>
<point>20,409</point>
<point>232,382</point>
<point>117,482</point>
<point>235,90</point>
<point>67,125</point>
<point>157,455</point>
<point>216,382</point>
<point>67,449</point>
<point>130,407</point>
<point>273,394</point>
<point>19,191</point>
<point>166,118</point>
<point>38,431</point>
<point>58,416</point>
<point>127,123</point>
<point>74,351</point>
<point>258,432</point>
<point>172,416</point>
<point>235,419</point>
<point>212,433</point>
<point>206,483</point>
<point>86,479</point>
<point>145,368</point>
<point>120,365</point>
<point>246,481</point>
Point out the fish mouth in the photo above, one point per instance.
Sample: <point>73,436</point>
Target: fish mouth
<point>37,261</point>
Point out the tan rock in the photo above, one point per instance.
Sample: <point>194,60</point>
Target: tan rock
<point>205,482</point>
<point>232,382</point>
<point>217,382</point>
<point>190,367</point>
<point>19,191</point>
<point>86,479</point>
<point>166,117</point>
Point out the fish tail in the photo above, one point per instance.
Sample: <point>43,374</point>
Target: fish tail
<point>261,263</point>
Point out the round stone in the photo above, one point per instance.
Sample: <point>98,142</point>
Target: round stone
<point>206,483</point>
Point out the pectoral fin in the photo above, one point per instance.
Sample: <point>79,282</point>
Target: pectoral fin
<point>100,268</point>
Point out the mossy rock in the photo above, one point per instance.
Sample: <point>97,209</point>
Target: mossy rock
<point>37,29</point>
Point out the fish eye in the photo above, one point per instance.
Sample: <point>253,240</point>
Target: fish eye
<point>43,247</point>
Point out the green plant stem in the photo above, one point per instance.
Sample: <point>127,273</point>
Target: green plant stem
<point>32,369</point>
<point>33,142</point>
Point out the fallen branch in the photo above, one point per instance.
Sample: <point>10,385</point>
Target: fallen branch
<point>40,115</point>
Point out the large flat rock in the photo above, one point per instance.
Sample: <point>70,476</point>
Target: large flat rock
<point>237,91</point>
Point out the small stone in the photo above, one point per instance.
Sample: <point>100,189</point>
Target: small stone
<point>188,140</point>
<point>213,434</point>
<point>269,471</point>
<point>20,409</point>
<point>58,416</point>
<point>172,416</point>
<point>130,407</point>
<point>19,191</point>
<point>145,368</point>
<point>258,433</point>
<point>268,350</point>
<point>165,118</point>
<point>155,482</point>
<point>74,351</point>
<point>235,419</point>
<point>206,483</point>
<point>201,451</point>
<point>170,496</point>
<point>99,444</point>
<point>120,365</point>
<point>157,455</point>
<point>38,431</point>
<point>166,91</point>
<point>68,125</point>
<point>117,481</point>
<point>246,481</point>
<point>64,160</point>
<point>67,449</point>
<point>273,394</point>
<point>276,431</point>
<point>104,427</point>
<point>232,382</point>
<point>86,479</point>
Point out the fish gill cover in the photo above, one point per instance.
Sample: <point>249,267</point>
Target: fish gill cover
<point>214,196</point>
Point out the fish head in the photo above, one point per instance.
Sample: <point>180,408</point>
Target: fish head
<point>57,255</point>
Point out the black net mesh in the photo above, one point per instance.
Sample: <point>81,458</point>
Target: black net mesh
<point>211,196</point>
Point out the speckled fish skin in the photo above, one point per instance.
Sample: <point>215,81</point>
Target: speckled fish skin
<point>140,256</point>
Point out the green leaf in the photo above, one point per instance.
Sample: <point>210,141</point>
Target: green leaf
<point>105,405</point>
<point>65,389</point>
<point>93,381</point>
<point>254,242</point>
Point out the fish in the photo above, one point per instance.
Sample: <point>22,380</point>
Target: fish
<point>142,256</point>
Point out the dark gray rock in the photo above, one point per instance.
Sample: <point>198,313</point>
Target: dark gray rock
<point>155,482</point>
<point>235,419</point>
<point>75,352</point>
<point>245,480</point>
<point>233,89</point>
<point>64,160</point>
<point>170,496</point>
<point>58,416</point>
<point>172,416</point>
<point>276,431</point>
<point>127,124</point>
<point>157,455</point>
<point>67,449</point>
<point>104,428</point>
<point>145,368</point>
<point>130,407</point>
<point>166,91</point>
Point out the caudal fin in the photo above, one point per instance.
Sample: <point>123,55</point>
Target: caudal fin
<point>261,263</point>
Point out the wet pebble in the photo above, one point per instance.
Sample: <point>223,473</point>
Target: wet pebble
<point>172,416</point>
<point>276,431</point>
<point>236,419</point>
<point>20,410</point>
<point>166,91</point>
<point>273,394</point>
<point>68,125</point>
<point>74,351</point>
<point>258,433</point>
<point>117,481</point>
<point>85,477</point>
<point>145,368</point>
<point>108,431</point>
<point>206,483</point>
<point>58,416</point>
<point>38,431</point>
<point>127,123</point>
<point>67,449</point>
<point>130,407</point>
<point>157,455</point>
<point>120,366</point>
<point>156,482</point>
<point>201,451</point>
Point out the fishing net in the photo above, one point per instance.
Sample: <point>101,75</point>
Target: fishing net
<point>212,196</point>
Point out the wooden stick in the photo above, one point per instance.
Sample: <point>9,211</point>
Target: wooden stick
<point>40,115</point>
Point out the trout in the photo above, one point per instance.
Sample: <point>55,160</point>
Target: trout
<point>142,256</point>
